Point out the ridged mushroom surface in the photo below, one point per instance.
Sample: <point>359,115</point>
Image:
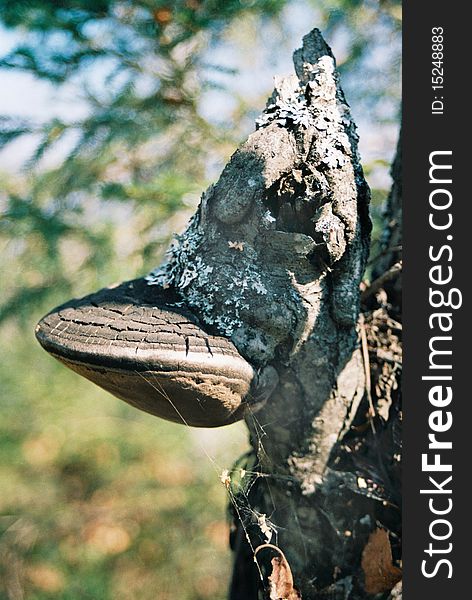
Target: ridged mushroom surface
<point>136,342</point>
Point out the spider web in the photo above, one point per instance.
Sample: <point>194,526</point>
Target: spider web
<point>241,482</point>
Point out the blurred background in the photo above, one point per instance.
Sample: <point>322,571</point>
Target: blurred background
<point>114,116</point>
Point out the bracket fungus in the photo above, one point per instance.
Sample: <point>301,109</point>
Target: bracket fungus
<point>266,273</point>
<point>143,346</point>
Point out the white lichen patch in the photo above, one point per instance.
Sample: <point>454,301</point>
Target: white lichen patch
<point>322,77</point>
<point>269,219</point>
<point>259,287</point>
<point>317,106</point>
<point>293,108</point>
<point>178,270</point>
<point>219,301</point>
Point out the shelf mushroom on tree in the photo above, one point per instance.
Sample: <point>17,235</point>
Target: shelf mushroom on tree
<point>254,315</point>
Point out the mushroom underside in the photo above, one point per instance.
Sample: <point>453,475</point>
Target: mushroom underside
<point>135,342</point>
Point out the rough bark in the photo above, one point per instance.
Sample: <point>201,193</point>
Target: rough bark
<point>273,259</point>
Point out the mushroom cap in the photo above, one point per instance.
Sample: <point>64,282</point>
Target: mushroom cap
<point>134,341</point>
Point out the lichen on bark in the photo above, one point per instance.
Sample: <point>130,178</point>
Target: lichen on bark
<point>273,259</point>
<point>290,206</point>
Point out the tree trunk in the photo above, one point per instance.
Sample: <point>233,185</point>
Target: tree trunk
<point>273,259</point>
